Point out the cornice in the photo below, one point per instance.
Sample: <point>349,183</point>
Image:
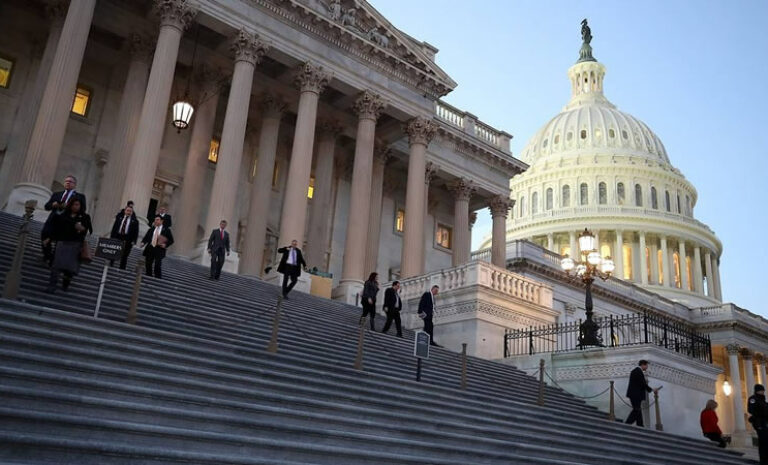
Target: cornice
<point>481,150</point>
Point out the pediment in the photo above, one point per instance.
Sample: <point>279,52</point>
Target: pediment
<point>356,26</point>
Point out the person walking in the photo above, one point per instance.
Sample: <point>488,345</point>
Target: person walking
<point>709,426</point>
<point>427,310</point>
<point>126,229</point>
<point>370,290</point>
<point>290,265</point>
<point>637,390</point>
<point>68,230</point>
<point>218,243</point>
<point>758,409</point>
<point>392,307</point>
<point>57,203</point>
<point>162,212</point>
<point>156,242</point>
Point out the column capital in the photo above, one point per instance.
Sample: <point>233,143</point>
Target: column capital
<point>176,13</point>
<point>141,47</point>
<point>462,188</point>
<point>271,105</point>
<point>500,205</point>
<point>733,349</point>
<point>420,130</point>
<point>311,78</point>
<point>472,219</point>
<point>430,171</point>
<point>382,152</point>
<point>746,354</point>
<point>759,359</point>
<point>56,10</point>
<point>246,46</point>
<point>369,105</point>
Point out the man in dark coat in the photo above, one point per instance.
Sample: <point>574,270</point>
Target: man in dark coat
<point>758,408</point>
<point>392,307</point>
<point>427,310</point>
<point>56,205</point>
<point>218,243</point>
<point>126,229</point>
<point>156,241</point>
<point>290,265</point>
<point>162,212</point>
<point>637,389</point>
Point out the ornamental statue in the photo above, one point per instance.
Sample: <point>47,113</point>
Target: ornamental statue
<point>585,54</point>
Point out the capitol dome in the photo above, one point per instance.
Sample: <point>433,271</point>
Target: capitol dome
<point>594,166</point>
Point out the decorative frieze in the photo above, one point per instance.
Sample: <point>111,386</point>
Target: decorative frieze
<point>420,130</point>
<point>311,78</point>
<point>246,46</point>
<point>369,105</point>
<point>176,13</point>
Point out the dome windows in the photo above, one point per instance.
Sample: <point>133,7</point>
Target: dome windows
<point>522,206</point>
<point>624,134</point>
<point>569,136</point>
<point>535,203</point>
<point>544,144</point>
<point>620,194</point>
<point>602,194</point>
<point>667,203</point>
<point>583,134</point>
<point>566,201</point>
<point>598,133</point>
<point>557,139</point>
<point>638,195</point>
<point>654,199</point>
<point>611,133</point>
<point>583,194</point>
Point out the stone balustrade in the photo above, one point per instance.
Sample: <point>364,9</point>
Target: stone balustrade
<point>469,124</point>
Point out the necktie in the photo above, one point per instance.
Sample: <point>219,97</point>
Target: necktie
<point>65,197</point>
<point>155,236</point>
<point>222,234</point>
<point>122,227</point>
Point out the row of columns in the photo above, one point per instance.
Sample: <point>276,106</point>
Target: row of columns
<point>735,352</point>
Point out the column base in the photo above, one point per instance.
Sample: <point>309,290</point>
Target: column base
<point>349,292</point>
<point>741,439</point>
<point>200,255</point>
<point>303,284</point>
<point>24,191</point>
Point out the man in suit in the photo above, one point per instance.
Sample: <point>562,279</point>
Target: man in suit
<point>166,217</point>
<point>637,389</point>
<point>758,409</point>
<point>56,205</point>
<point>126,229</point>
<point>218,243</point>
<point>156,241</point>
<point>427,310</point>
<point>290,265</point>
<point>392,307</point>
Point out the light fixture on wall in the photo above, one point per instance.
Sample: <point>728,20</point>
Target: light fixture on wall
<point>727,389</point>
<point>183,109</point>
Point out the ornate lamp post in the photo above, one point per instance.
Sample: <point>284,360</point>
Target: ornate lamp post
<point>592,265</point>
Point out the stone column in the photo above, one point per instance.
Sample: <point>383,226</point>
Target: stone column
<point>320,216</point>
<point>113,181</point>
<point>665,262</point>
<point>175,17</point>
<point>710,280</point>
<point>697,272</point>
<point>420,132</point>
<point>13,161</point>
<point>368,107</point>
<point>382,155</point>
<point>472,221</point>
<point>311,80</point>
<point>740,428</point>
<point>749,370</point>
<point>208,82</point>
<point>574,246</point>
<point>258,213</point>
<point>430,171</point>
<point>683,265</point>
<point>551,242</point>
<point>499,206</point>
<point>716,276</point>
<point>42,155</point>
<point>618,258</point>
<point>760,359</point>
<point>248,50</point>
<point>462,190</point>
<point>643,260</point>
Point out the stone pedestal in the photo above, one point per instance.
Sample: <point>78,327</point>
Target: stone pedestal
<point>24,191</point>
<point>303,284</point>
<point>349,292</point>
<point>200,255</point>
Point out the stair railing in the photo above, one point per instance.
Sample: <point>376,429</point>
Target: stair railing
<point>13,278</point>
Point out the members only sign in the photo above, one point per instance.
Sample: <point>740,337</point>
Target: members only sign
<point>109,249</point>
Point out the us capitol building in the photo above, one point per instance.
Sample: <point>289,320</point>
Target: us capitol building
<point>320,121</point>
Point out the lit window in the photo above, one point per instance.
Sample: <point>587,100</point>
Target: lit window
<point>565,250</point>
<point>400,220</point>
<point>275,173</point>
<point>213,152</point>
<point>6,69</point>
<point>311,188</point>
<point>627,249</point>
<point>443,236</point>
<point>598,133</point>
<point>660,262</point>
<point>81,104</point>
<point>689,272</point>
<point>648,263</point>
<point>676,264</point>
<point>605,250</point>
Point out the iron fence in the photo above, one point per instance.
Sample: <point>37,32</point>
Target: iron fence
<point>615,331</point>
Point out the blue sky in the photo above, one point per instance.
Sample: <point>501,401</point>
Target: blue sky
<point>695,71</point>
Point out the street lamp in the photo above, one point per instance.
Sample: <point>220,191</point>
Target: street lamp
<point>590,266</point>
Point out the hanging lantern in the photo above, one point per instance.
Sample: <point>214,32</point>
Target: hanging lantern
<point>182,114</point>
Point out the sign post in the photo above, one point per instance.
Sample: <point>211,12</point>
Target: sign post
<point>108,249</point>
<point>420,350</point>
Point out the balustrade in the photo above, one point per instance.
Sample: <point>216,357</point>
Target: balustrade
<point>469,124</point>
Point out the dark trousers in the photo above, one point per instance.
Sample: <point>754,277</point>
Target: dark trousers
<point>158,261</point>
<point>393,315</point>
<point>291,273</point>
<point>429,329</point>
<point>127,246</point>
<point>636,415</point>
<point>369,309</point>
<point>762,444</point>
<point>53,279</point>
<point>217,263</point>
<point>717,437</point>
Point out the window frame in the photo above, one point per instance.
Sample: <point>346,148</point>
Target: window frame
<point>398,209</point>
<point>88,104</point>
<point>437,244</point>
<point>11,72</point>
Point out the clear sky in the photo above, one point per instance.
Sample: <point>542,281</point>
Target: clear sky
<point>695,71</point>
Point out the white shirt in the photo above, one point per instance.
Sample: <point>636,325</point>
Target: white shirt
<point>156,235</point>
<point>292,256</point>
<point>124,225</point>
<point>397,299</point>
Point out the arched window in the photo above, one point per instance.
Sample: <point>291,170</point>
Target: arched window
<point>688,206</point>
<point>583,194</point>
<point>638,195</point>
<point>679,210</point>
<point>534,203</point>
<point>522,206</point>
<point>566,196</point>
<point>549,199</point>
<point>620,194</point>
<point>654,199</point>
<point>667,203</point>
<point>602,193</point>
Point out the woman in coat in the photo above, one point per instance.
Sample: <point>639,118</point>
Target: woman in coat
<point>709,423</point>
<point>370,289</point>
<point>68,230</point>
